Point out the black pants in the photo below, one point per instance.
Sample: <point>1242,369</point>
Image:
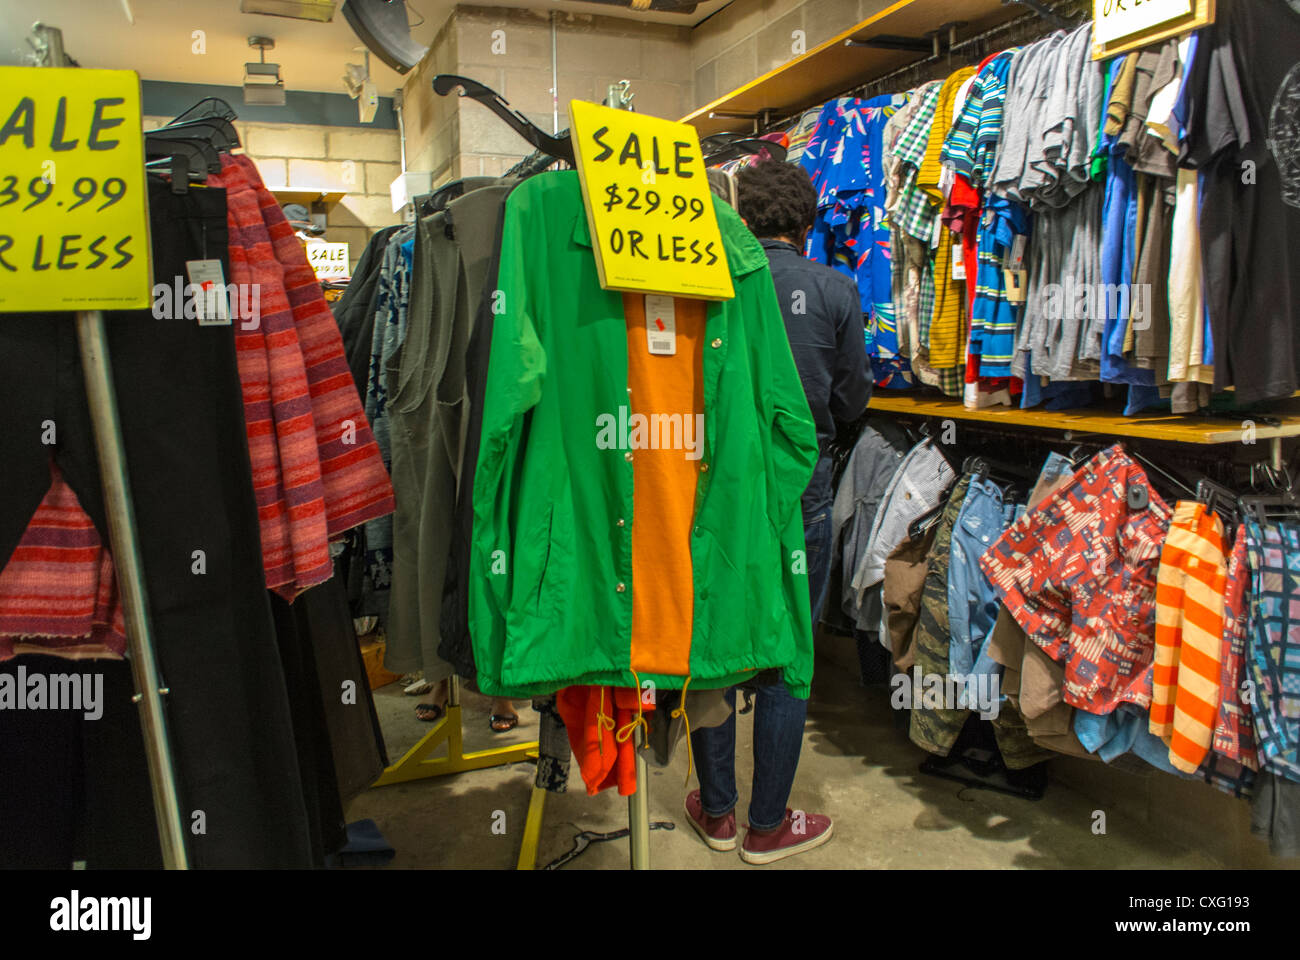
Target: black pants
<point>75,788</point>
<point>187,454</point>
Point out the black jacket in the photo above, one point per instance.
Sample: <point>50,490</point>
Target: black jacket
<point>823,319</point>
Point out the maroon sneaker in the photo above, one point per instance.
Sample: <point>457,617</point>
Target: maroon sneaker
<point>798,832</point>
<point>718,832</point>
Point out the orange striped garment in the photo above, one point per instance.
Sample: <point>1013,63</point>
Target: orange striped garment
<point>1190,587</point>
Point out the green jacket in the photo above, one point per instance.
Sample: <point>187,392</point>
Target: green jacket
<point>548,552</point>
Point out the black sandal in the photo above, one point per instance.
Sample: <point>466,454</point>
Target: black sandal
<point>429,712</point>
<point>508,718</point>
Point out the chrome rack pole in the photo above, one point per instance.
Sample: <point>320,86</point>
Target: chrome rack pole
<point>638,804</point>
<point>638,809</point>
<point>98,373</point>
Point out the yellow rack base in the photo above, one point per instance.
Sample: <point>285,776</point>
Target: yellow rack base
<point>416,764</point>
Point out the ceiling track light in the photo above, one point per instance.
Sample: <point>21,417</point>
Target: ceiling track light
<point>263,85</point>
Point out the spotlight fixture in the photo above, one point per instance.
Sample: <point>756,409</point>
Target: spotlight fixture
<point>263,85</point>
<point>362,89</point>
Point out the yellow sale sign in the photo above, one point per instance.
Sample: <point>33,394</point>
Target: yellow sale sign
<point>1113,19</point>
<point>648,204</point>
<point>74,210</point>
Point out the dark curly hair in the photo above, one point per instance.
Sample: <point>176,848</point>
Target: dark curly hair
<point>776,199</point>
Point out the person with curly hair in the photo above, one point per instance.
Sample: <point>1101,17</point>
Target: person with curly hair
<point>823,320</point>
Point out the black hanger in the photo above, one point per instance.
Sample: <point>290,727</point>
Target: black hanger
<point>1145,461</point>
<point>1279,504</point>
<point>206,109</point>
<point>1217,498</point>
<point>164,136</point>
<point>218,131</point>
<point>1079,453</point>
<point>747,147</point>
<point>1001,472</point>
<point>561,148</point>
<point>183,159</point>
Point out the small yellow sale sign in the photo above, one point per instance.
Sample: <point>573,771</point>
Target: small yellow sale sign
<point>1113,19</point>
<point>648,204</point>
<point>74,211</point>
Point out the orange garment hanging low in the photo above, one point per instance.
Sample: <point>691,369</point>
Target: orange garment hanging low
<point>599,721</point>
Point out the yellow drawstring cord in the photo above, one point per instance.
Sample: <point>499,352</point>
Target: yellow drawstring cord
<point>681,712</point>
<point>603,722</point>
<point>631,726</point>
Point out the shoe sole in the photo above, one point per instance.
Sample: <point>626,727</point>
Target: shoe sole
<point>722,846</point>
<point>771,856</point>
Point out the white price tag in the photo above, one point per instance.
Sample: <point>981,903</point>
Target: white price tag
<point>210,303</point>
<point>1017,251</point>
<point>661,324</point>
<point>958,262</point>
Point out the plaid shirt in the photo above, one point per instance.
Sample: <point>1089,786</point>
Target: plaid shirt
<point>1273,649</point>
<point>914,211</point>
<point>1078,573</point>
<point>1234,735</point>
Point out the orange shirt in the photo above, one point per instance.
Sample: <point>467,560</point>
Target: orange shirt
<point>668,391</point>
<point>665,400</point>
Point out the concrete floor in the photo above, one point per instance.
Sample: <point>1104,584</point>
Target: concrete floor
<point>856,766</point>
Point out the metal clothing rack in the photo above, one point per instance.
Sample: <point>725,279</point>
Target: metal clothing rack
<point>638,803</point>
<point>416,763</point>
<point>97,369</point>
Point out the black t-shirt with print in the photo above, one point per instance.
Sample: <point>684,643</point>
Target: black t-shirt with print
<point>1243,132</point>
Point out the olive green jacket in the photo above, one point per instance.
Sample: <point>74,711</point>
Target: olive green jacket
<point>551,559</point>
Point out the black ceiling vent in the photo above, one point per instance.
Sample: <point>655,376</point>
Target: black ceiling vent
<point>382,26</point>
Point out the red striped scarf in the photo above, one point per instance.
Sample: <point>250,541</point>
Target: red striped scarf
<point>57,592</point>
<point>316,467</point>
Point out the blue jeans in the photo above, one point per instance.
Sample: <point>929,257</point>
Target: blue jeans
<point>972,603</point>
<point>778,718</point>
<point>817,548</point>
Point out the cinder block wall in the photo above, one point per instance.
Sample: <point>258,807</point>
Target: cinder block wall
<point>355,161</point>
<point>432,122</point>
<point>510,51</point>
<point>747,39</point>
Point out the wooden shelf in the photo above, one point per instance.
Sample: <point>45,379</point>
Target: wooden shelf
<point>830,68</point>
<point>1167,427</point>
<point>306,197</point>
